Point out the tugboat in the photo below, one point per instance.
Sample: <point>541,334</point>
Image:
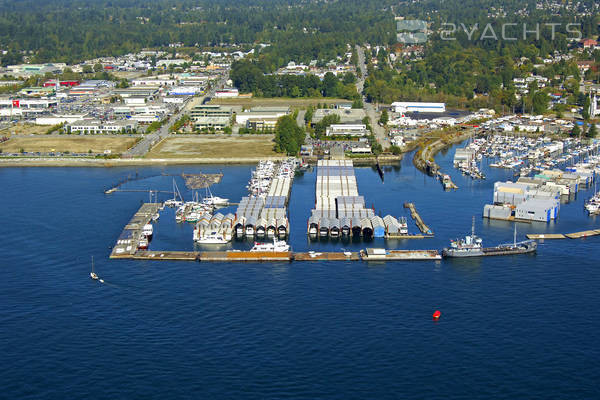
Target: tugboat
<point>471,246</point>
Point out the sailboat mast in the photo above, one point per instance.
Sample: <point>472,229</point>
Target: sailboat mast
<point>515,236</point>
<point>92,264</point>
<point>473,228</point>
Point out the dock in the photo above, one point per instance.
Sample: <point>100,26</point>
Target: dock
<point>244,256</point>
<point>399,255</point>
<point>327,256</point>
<point>166,255</point>
<point>129,240</point>
<point>574,235</point>
<point>257,256</point>
<point>390,236</point>
<point>418,220</point>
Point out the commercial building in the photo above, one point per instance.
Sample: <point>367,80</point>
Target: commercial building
<point>216,123</point>
<point>59,119</point>
<point>210,110</point>
<point>93,126</point>
<point>26,107</point>
<point>356,130</point>
<point>407,107</point>
<point>227,93</point>
<point>261,114</point>
<point>347,116</point>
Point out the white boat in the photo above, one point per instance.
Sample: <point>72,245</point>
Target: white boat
<point>215,201</point>
<point>212,238</point>
<point>93,274</point>
<point>155,217</point>
<point>403,226</point>
<point>147,231</point>
<point>143,243</point>
<point>276,246</point>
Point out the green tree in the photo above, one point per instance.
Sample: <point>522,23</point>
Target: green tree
<point>289,137</point>
<point>383,120</point>
<point>593,131</point>
<point>585,113</point>
<point>576,131</point>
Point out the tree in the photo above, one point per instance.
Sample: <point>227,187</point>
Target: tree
<point>98,67</point>
<point>576,131</point>
<point>396,150</point>
<point>289,137</point>
<point>383,120</point>
<point>585,113</point>
<point>593,131</point>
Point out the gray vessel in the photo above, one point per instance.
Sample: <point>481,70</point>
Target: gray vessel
<point>471,246</point>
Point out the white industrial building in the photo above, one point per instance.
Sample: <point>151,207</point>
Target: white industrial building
<point>226,93</point>
<point>261,113</point>
<point>94,126</point>
<point>408,106</point>
<point>59,119</point>
<point>346,130</point>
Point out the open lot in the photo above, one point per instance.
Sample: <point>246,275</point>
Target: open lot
<point>212,146</point>
<point>73,144</point>
<point>275,102</point>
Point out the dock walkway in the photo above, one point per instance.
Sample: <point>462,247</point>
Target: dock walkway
<point>129,240</point>
<point>574,235</point>
<point>418,220</point>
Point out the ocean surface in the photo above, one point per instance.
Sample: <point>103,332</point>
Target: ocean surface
<point>519,327</point>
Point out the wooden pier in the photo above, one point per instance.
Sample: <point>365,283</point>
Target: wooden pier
<point>418,220</point>
<point>244,256</point>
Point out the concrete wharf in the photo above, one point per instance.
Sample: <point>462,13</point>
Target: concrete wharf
<point>327,256</point>
<point>257,256</point>
<point>418,220</point>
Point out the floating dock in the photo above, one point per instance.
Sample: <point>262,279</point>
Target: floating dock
<point>129,240</point>
<point>399,255</point>
<point>418,220</point>
<point>574,235</point>
<point>327,256</point>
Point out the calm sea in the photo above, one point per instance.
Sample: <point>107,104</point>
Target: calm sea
<point>522,327</point>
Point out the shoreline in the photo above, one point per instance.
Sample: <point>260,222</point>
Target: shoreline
<point>127,162</point>
<point>134,162</point>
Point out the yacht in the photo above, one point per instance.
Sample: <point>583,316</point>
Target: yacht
<point>276,246</point>
<point>211,238</point>
<point>403,226</point>
<point>143,243</point>
<point>147,231</point>
<point>93,274</point>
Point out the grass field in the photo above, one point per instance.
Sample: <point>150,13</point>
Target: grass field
<point>275,102</point>
<point>73,144</point>
<point>25,129</point>
<point>209,146</point>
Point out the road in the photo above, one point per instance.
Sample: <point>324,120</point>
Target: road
<point>370,108</point>
<point>144,145</point>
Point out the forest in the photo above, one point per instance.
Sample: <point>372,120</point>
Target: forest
<point>248,77</point>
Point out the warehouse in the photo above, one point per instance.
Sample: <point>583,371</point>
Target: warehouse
<point>97,126</point>
<point>403,107</point>
<point>355,130</point>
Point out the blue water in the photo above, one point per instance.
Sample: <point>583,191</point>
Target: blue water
<point>514,327</point>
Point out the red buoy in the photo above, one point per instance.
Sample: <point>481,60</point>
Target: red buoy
<point>437,314</point>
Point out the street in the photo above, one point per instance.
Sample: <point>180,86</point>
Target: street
<point>369,108</point>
